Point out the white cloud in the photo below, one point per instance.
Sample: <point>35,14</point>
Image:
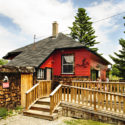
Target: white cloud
<point>36,17</point>
<point>104,28</point>
<point>9,41</point>
<point>33,17</point>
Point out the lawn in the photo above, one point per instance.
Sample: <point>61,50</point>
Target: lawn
<point>83,122</point>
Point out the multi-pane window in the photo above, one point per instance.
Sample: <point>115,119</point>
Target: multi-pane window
<point>68,64</point>
<point>40,74</point>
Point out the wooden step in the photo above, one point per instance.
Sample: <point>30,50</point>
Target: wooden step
<point>44,101</point>
<point>41,114</point>
<point>45,108</point>
<point>39,107</point>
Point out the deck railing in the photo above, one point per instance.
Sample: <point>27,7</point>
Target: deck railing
<point>39,90</point>
<point>116,87</point>
<point>93,99</point>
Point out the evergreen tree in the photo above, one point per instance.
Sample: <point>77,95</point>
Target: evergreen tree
<point>120,59</point>
<point>3,62</point>
<point>82,29</point>
<point>115,70</point>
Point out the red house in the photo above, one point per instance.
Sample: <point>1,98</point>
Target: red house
<point>59,57</point>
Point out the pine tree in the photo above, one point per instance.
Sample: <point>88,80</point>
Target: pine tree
<point>82,29</point>
<point>3,62</point>
<point>120,59</point>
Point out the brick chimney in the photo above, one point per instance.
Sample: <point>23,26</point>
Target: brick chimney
<point>54,29</point>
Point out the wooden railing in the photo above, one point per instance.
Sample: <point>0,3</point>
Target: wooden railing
<point>39,90</point>
<point>94,99</point>
<point>116,87</point>
<point>55,98</point>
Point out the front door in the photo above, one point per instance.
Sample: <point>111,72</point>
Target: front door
<point>48,74</point>
<point>26,84</point>
<point>94,75</point>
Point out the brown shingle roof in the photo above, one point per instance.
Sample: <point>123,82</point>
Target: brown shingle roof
<point>43,48</point>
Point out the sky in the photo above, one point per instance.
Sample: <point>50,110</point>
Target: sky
<point>21,19</point>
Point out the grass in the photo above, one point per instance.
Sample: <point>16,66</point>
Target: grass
<point>19,108</point>
<point>83,122</point>
<point>4,112</point>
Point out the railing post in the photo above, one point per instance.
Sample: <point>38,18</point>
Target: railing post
<point>95,100</point>
<point>51,105</point>
<point>26,103</point>
<point>61,82</point>
<point>123,104</point>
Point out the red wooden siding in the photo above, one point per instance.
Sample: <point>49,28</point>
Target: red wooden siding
<point>81,68</point>
<point>79,55</point>
<point>95,61</point>
<point>47,63</point>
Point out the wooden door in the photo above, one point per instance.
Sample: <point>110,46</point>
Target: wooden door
<point>26,84</point>
<point>94,75</point>
<point>48,73</point>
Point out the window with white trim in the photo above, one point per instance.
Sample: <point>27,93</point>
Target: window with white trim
<point>40,73</point>
<point>67,64</point>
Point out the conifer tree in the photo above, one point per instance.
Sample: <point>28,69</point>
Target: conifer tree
<point>120,59</point>
<point>82,30</point>
<point>3,62</point>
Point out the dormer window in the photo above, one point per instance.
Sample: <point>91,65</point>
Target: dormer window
<point>67,64</point>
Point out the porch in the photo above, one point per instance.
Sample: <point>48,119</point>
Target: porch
<point>94,98</point>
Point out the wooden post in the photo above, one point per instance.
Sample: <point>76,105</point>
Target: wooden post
<point>110,102</point>
<point>95,100</point>
<point>106,101</point>
<point>117,87</point>
<point>115,103</point>
<point>26,101</point>
<point>51,105</point>
<point>124,104</point>
<point>99,100</point>
<point>119,101</point>
<point>67,94</point>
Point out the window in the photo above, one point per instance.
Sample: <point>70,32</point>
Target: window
<point>40,74</point>
<point>67,64</point>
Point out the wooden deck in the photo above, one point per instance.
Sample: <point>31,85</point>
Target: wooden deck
<point>98,98</point>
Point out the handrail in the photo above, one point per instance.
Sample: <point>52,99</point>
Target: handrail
<point>39,90</point>
<point>93,90</point>
<point>55,90</point>
<point>44,80</point>
<point>32,88</point>
<point>98,82</point>
<point>55,98</point>
<point>118,87</point>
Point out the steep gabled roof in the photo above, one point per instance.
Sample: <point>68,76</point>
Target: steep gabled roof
<point>27,56</point>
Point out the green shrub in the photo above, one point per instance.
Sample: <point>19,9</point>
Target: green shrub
<point>19,108</point>
<point>3,112</point>
<point>10,112</point>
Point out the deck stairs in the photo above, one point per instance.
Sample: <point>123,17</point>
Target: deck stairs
<point>41,109</point>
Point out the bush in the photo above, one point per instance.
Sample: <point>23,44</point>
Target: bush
<point>3,112</point>
<point>19,108</point>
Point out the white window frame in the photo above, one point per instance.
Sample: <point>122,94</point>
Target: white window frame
<point>40,74</point>
<point>67,64</point>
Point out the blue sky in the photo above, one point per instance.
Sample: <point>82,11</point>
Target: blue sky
<point>20,20</point>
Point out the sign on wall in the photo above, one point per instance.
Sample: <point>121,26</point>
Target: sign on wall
<point>5,82</point>
<point>5,85</point>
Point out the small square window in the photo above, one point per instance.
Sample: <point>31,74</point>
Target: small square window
<point>40,73</point>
